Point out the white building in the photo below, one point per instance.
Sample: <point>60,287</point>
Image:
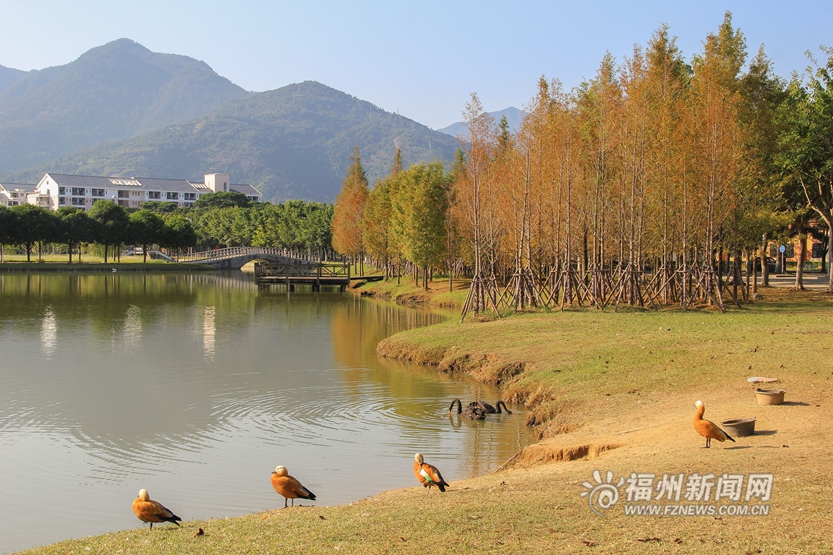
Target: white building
<point>12,194</point>
<point>56,190</point>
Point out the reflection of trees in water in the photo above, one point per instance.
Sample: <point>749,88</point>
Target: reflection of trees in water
<point>421,394</point>
<point>116,394</point>
<point>125,368</point>
<point>490,442</point>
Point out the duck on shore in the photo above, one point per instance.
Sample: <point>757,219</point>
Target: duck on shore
<point>427,474</point>
<point>707,428</point>
<point>148,510</point>
<point>289,487</point>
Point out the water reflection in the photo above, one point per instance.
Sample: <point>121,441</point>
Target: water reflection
<point>47,333</point>
<point>208,330</point>
<point>177,381</point>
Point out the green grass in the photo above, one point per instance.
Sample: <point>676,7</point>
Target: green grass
<point>406,292</point>
<point>583,353</point>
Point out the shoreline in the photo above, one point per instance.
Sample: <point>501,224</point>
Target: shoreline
<point>618,398</point>
<point>17,267</point>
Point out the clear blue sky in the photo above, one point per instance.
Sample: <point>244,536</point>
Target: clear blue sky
<point>420,58</point>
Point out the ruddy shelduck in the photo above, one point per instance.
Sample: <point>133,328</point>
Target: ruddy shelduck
<point>289,487</point>
<point>148,510</point>
<point>707,428</point>
<point>427,474</point>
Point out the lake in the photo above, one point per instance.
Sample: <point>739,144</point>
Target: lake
<point>195,386</point>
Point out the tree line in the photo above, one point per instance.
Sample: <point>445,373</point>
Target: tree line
<point>640,186</point>
<point>216,220</point>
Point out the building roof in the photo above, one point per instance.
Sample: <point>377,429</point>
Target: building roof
<point>18,186</point>
<point>142,183</point>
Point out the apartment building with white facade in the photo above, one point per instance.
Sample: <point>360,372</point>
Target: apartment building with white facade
<point>55,190</point>
<point>12,194</point>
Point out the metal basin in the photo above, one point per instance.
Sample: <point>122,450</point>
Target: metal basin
<point>739,427</point>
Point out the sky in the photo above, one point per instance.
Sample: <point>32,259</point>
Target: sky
<point>421,59</point>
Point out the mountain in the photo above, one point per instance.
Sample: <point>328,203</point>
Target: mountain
<point>292,142</point>
<point>9,76</point>
<point>115,91</point>
<point>513,117</point>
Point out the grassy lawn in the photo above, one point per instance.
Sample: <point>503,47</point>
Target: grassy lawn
<point>609,391</point>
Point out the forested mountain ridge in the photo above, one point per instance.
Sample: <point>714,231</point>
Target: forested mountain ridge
<point>8,76</point>
<point>513,118</point>
<point>115,91</point>
<point>292,142</point>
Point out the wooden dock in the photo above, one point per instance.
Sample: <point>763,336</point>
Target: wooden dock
<point>336,274</point>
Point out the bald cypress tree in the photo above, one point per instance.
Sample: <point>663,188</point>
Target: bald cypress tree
<point>349,209</point>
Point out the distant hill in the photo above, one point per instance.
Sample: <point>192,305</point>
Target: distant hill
<point>513,117</point>
<point>292,142</point>
<point>9,76</point>
<point>115,91</point>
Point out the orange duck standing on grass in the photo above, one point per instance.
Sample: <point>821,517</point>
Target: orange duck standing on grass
<point>427,474</point>
<point>289,487</point>
<point>707,428</point>
<point>148,510</point>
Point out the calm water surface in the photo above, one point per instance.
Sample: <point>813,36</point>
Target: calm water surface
<point>196,386</point>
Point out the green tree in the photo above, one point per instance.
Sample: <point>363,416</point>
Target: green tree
<point>265,221</point>
<point>160,207</point>
<point>6,227</point>
<point>222,200</point>
<point>228,227</point>
<point>377,232</point>
<point>112,221</point>
<point>420,207</point>
<point>178,233</point>
<point>33,225</point>
<point>75,226</point>
<point>319,227</point>
<point>758,194</point>
<point>146,229</point>
<point>806,156</point>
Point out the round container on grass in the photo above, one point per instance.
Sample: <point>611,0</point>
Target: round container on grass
<point>770,396</point>
<point>739,427</point>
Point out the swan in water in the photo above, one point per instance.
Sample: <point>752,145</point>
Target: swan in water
<point>490,409</point>
<point>473,412</point>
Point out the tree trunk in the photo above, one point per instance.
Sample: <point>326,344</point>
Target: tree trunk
<point>830,253</point>
<point>70,252</point>
<point>799,269</point>
<point>764,265</point>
